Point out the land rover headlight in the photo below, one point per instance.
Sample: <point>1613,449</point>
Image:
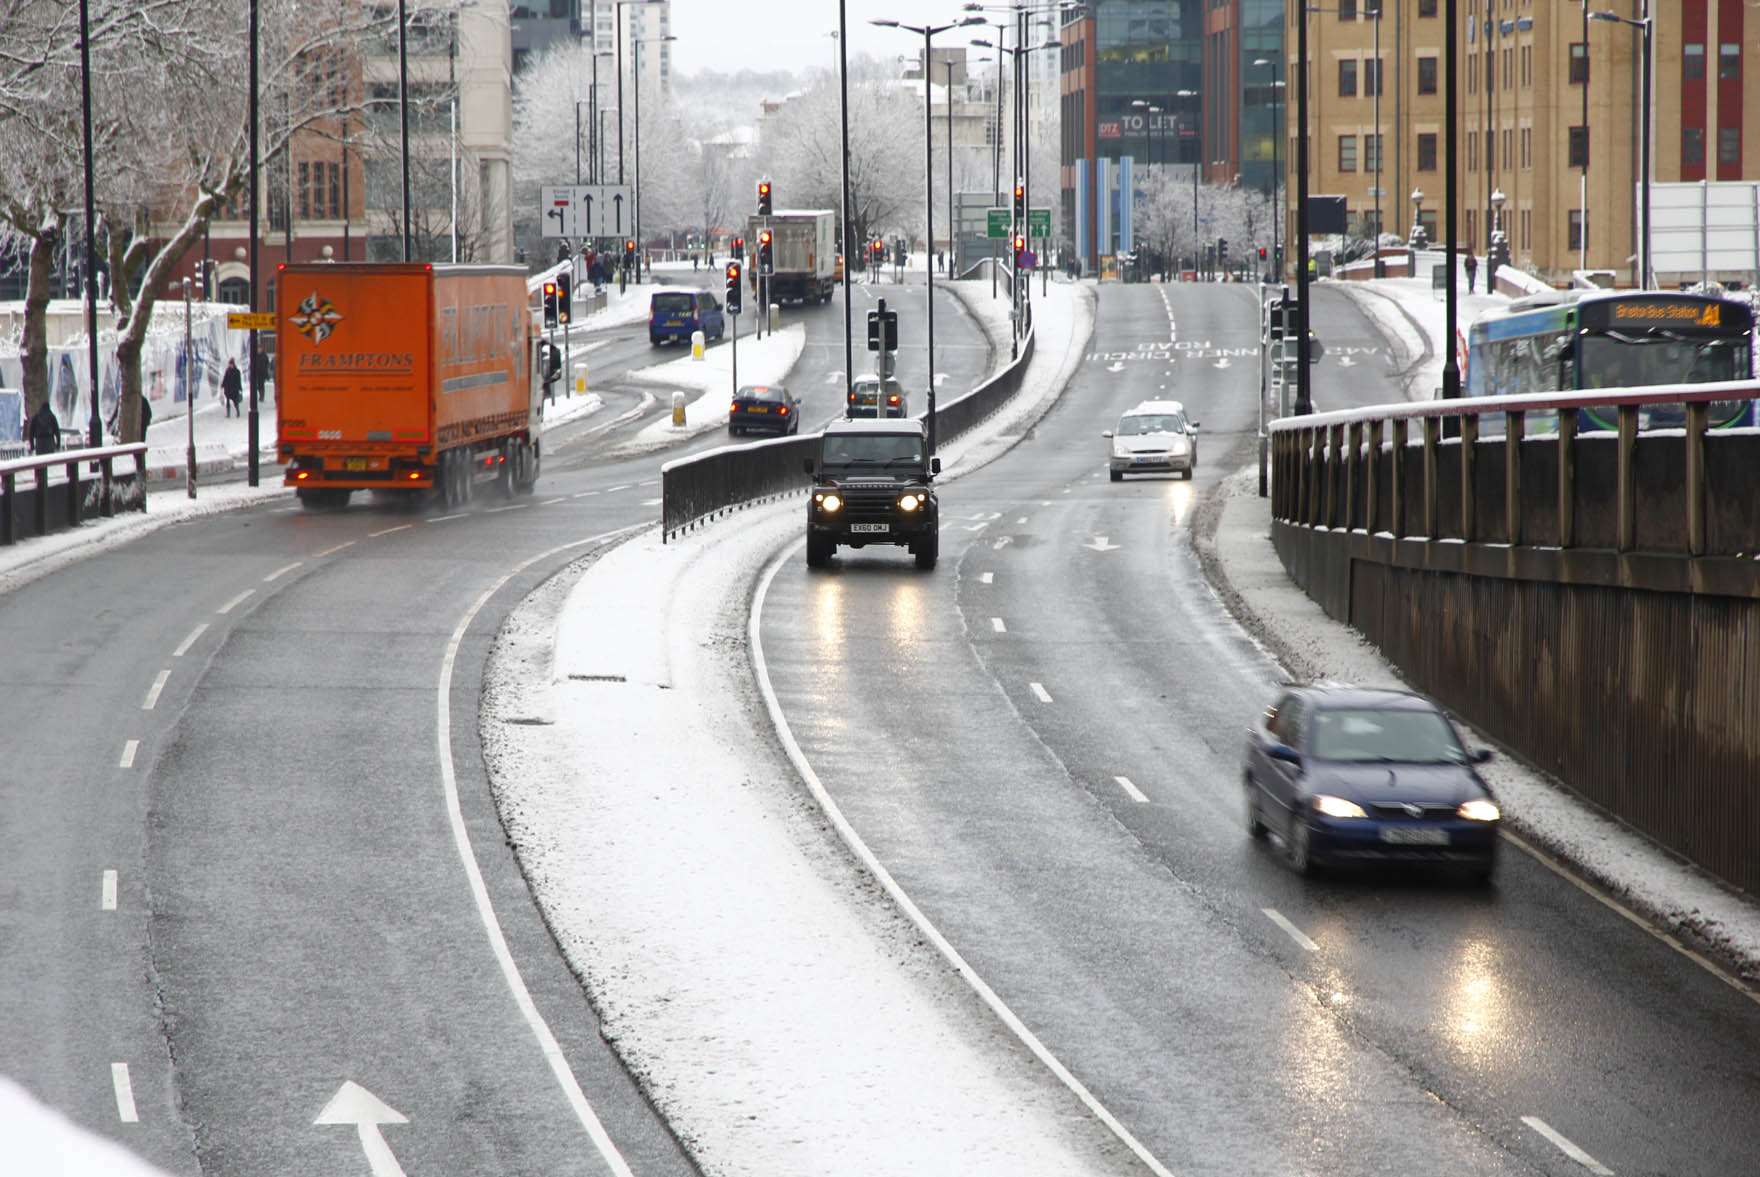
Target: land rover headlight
<point>829,503</point>
<point>910,501</point>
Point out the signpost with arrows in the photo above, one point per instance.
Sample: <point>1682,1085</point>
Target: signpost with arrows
<point>587,210</point>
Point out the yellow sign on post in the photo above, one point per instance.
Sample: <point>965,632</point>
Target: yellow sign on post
<point>251,320</point>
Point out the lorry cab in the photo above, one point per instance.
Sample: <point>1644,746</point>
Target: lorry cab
<point>677,314</point>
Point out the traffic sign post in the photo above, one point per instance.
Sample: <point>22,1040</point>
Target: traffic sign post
<point>1039,223</point>
<point>587,210</point>
<point>250,320</point>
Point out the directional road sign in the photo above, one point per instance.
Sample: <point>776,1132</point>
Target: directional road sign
<point>996,223</point>
<point>587,210</point>
<point>1039,220</point>
<point>251,320</point>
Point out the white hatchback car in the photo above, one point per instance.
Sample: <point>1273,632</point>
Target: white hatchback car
<point>1154,436</point>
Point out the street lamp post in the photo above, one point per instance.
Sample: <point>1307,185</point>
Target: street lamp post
<point>617,7</point>
<point>1497,251</point>
<point>1276,169</point>
<point>1197,166</point>
<point>641,246</point>
<point>1419,239</point>
<point>91,267</point>
<point>1304,381</point>
<point>1646,25</point>
<point>846,238</point>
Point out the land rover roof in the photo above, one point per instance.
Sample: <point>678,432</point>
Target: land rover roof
<point>884,425</point>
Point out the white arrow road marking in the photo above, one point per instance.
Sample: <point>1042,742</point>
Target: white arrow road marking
<point>152,699</point>
<point>940,378</point>
<point>1115,367</point>
<point>107,892</point>
<point>1346,362</point>
<point>194,635</point>
<point>834,377</point>
<point>1040,692</point>
<point>1221,363</point>
<point>1566,1147</point>
<point>996,624</point>
<point>1294,932</point>
<point>1001,542</point>
<point>1101,544</point>
<point>987,578</point>
<point>1130,790</point>
<point>128,751</point>
<point>124,1093</point>
<point>354,1104</point>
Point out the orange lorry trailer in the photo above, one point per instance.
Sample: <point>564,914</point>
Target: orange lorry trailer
<point>405,377</point>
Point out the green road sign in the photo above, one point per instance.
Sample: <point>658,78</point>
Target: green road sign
<point>1040,221</point>
<point>996,223</point>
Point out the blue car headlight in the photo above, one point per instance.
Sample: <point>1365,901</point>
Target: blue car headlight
<point>1336,807</point>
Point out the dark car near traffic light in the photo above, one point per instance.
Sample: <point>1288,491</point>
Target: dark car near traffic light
<point>764,408</point>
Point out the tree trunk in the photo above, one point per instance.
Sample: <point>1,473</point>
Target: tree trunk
<point>131,335</point>
<point>34,347</point>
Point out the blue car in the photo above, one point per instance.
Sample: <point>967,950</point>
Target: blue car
<point>1347,776</point>
<point>676,314</point>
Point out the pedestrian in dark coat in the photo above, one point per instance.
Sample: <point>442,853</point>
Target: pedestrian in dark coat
<point>1472,271</point>
<point>146,415</point>
<point>45,430</point>
<point>232,389</point>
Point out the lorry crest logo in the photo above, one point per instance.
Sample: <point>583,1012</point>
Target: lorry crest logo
<point>317,317</point>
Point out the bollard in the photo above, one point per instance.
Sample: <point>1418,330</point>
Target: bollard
<point>678,409</point>
<point>696,345</point>
<point>580,379</point>
<point>775,316</point>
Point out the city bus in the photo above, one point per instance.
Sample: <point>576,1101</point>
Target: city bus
<point>1570,341</point>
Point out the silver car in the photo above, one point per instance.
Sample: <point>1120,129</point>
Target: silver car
<point>1155,436</point>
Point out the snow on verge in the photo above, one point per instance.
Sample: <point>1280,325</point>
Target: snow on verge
<point>1240,560</point>
<point>43,1142</point>
<point>780,1013</point>
<point>761,361</point>
<point>1414,318</point>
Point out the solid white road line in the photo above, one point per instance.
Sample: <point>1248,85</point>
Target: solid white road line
<point>124,1093</point>
<point>235,602</point>
<point>128,751</point>
<point>1295,933</point>
<point>755,642</point>
<point>389,530</point>
<point>1566,1147</point>
<point>1130,790</point>
<point>1039,692</point>
<point>447,518</point>
<point>107,895</point>
<point>547,1044</point>
<point>996,624</point>
<point>152,699</point>
<point>333,550</point>
<point>194,636</point>
<point>280,572</point>
<point>987,578</point>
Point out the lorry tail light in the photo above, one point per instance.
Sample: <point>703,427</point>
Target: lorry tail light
<point>415,475</point>
<point>301,475</point>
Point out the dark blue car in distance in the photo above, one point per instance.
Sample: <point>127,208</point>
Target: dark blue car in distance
<point>675,314</point>
<point>1353,776</point>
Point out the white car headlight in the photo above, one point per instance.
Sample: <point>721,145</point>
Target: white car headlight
<point>1179,445</point>
<point>1480,810</point>
<point>1337,807</point>
<point>828,502</point>
<point>1119,450</point>
<point>910,502</point>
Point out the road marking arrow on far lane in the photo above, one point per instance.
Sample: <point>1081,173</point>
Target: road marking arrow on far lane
<point>354,1104</point>
<point>1115,366</point>
<point>1221,363</point>
<point>1102,544</point>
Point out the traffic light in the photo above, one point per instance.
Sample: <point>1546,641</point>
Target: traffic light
<point>1020,249</point>
<point>739,248</point>
<point>1020,203</point>
<point>564,296</point>
<point>629,253</point>
<point>734,294</point>
<point>549,304</point>
<point>765,262</point>
<point>1261,253</point>
<point>877,247</point>
<point>763,198</point>
<point>1222,252</point>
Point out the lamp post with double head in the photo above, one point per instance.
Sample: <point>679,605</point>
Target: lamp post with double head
<point>1276,168</point>
<point>1645,24</point>
<point>1197,164</point>
<point>617,7</point>
<point>641,246</point>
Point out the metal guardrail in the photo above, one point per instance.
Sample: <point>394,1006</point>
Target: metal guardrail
<point>66,506</point>
<point>706,486</point>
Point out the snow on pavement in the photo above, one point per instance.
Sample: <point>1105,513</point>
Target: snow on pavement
<point>1415,319</point>
<point>1247,572</point>
<point>708,385</point>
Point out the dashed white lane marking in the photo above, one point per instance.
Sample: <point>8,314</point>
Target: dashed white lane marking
<point>514,507</point>
<point>1021,521</point>
<point>107,892</point>
<point>128,751</point>
<point>585,494</point>
<point>1040,692</point>
<point>282,571</point>
<point>194,636</point>
<point>1044,502</point>
<point>235,602</point>
<point>1566,1147</point>
<point>152,699</point>
<point>389,530</point>
<point>650,482</point>
<point>987,578</point>
<point>615,489</point>
<point>652,502</point>
<point>1066,490</point>
<point>996,624</point>
<point>124,1093</point>
<point>447,518</point>
<point>333,550</point>
<point>1130,790</point>
<point>557,499</point>
<point>1295,933</point>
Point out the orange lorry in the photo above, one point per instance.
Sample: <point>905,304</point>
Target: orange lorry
<point>406,377</point>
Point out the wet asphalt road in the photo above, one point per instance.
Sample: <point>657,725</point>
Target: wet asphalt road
<point>239,716</point>
<point>990,727</point>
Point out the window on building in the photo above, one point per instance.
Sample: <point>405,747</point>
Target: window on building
<point>1426,7</point>
<point>559,9</point>
<point>1426,75</point>
<point>1371,153</point>
<point>1693,62</point>
<point>1692,147</point>
<point>1347,9</point>
<point>1729,145</point>
<point>1472,151</point>
<point>1579,231</point>
<point>1427,151</point>
<point>1527,66</point>
<point>1527,229</point>
<point>1509,148</point>
<point>336,209</point>
<point>1472,73</point>
<point>1472,238</point>
<point>1729,61</point>
<point>1579,63</point>
<point>1527,147</point>
<point>1509,69</point>
<point>1347,78</point>
<point>1578,154</point>
<point>1371,9</point>
<point>305,180</point>
<point>1372,77</point>
<point>1347,153</point>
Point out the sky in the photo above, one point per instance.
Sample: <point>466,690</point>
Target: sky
<point>728,35</point>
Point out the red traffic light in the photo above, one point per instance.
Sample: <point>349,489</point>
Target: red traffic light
<point>1261,253</point>
<point>733,271</point>
<point>549,290</point>
<point>763,188</point>
<point>1020,191</point>
<point>763,237</point>
<point>1020,243</point>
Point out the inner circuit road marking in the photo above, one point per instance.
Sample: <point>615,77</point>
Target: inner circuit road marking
<point>128,751</point>
<point>124,1093</point>
<point>107,892</point>
<point>333,550</point>
<point>389,530</point>
<point>194,636</point>
<point>1566,1147</point>
<point>1040,692</point>
<point>152,699</point>
<point>283,571</point>
<point>987,578</point>
<point>446,518</point>
<point>235,602</point>
<point>1130,790</point>
<point>1295,933</point>
<point>996,624</point>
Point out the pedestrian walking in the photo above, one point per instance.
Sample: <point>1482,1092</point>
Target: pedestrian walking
<point>146,415</point>
<point>1472,271</point>
<point>45,430</point>
<point>232,389</point>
